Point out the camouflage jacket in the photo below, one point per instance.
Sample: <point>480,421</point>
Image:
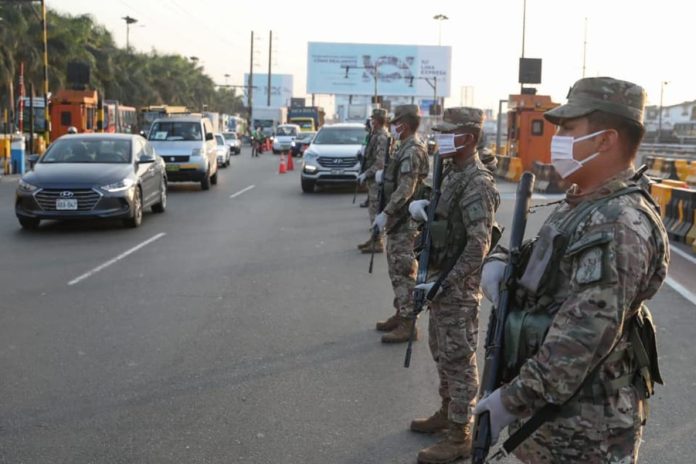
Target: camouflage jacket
<point>615,259</point>
<point>376,152</point>
<point>465,215</point>
<point>404,176</point>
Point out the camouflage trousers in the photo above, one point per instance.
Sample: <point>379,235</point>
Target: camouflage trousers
<point>589,433</point>
<point>402,269</point>
<point>453,336</point>
<point>372,194</point>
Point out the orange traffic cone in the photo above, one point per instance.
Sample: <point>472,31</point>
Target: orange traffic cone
<point>282,169</point>
<point>291,165</point>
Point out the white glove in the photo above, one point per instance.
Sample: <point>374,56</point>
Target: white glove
<point>417,210</point>
<point>499,416</point>
<point>379,176</point>
<point>380,221</point>
<point>491,276</point>
<point>361,178</point>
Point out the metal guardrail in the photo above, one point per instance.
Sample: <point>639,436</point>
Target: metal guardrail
<point>665,150</point>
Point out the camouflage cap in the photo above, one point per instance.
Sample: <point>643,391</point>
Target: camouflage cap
<point>460,118</point>
<point>404,110</point>
<point>379,113</point>
<point>605,94</point>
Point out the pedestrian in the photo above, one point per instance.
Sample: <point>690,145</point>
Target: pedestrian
<point>586,339</point>
<point>462,233</point>
<point>375,155</point>
<point>403,182</point>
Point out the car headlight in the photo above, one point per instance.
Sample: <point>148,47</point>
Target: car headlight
<point>197,152</point>
<point>119,186</point>
<point>310,168</point>
<point>26,186</point>
<point>292,144</point>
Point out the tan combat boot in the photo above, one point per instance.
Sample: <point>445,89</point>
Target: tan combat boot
<point>379,246</point>
<point>389,324</point>
<point>456,445</point>
<point>366,244</point>
<point>402,332</point>
<point>433,424</point>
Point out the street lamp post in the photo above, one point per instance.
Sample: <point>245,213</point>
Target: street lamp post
<point>439,18</point>
<point>374,67</point>
<point>659,117</point>
<point>128,21</point>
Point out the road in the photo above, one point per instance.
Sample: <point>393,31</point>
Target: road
<point>238,327</point>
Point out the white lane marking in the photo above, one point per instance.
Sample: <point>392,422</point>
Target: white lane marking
<point>683,254</point>
<point>116,259</point>
<point>680,289</point>
<point>242,191</point>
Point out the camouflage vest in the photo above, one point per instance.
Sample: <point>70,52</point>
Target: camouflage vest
<point>392,171</point>
<point>538,300</point>
<point>370,155</point>
<point>448,233</point>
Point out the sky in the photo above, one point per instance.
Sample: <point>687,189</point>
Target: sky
<point>636,40</point>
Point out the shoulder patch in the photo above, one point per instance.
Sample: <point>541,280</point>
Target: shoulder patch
<point>474,210</point>
<point>590,265</point>
<point>405,166</point>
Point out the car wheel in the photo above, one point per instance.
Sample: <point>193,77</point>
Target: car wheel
<point>307,186</point>
<point>137,217</point>
<point>214,178</point>
<point>205,183</point>
<point>162,205</point>
<point>29,223</point>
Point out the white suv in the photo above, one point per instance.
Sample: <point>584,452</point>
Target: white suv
<point>332,158</point>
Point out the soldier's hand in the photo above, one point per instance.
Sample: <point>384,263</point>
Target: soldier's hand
<point>379,176</point>
<point>361,178</point>
<point>491,276</point>
<point>417,210</point>
<point>380,221</point>
<point>499,416</point>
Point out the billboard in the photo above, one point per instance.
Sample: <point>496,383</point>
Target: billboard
<point>281,89</point>
<point>350,69</point>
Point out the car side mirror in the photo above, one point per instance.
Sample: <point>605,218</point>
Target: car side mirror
<point>146,159</point>
<point>209,136</point>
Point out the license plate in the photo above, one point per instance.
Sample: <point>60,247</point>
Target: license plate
<point>172,167</point>
<point>66,205</point>
<point>337,171</point>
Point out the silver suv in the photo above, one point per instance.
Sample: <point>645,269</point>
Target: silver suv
<point>188,146</point>
<point>332,158</point>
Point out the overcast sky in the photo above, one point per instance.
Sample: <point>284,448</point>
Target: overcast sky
<point>646,42</point>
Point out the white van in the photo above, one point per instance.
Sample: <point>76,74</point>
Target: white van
<point>284,139</point>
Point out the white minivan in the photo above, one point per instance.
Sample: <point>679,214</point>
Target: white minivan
<point>284,139</point>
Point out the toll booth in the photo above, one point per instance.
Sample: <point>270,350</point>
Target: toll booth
<point>529,134</point>
<point>76,108</point>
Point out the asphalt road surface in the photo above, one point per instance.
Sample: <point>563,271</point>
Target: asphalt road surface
<point>238,327</point>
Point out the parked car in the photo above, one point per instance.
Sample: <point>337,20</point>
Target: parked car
<point>285,137</point>
<point>233,142</point>
<point>93,176</point>
<point>188,146</point>
<point>302,142</point>
<point>223,151</point>
<point>332,157</point>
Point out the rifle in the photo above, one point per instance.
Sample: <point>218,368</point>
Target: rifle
<point>419,296</point>
<point>381,203</point>
<point>493,364</point>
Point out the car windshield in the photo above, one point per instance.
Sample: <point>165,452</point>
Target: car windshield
<point>305,124</point>
<point>171,131</point>
<point>230,136</point>
<point>220,139</point>
<point>305,136</point>
<point>341,136</point>
<point>79,150</point>
<point>286,131</point>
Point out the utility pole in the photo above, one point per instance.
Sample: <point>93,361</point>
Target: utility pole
<point>47,117</point>
<point>584,50</point>
<point>270,59</point>
<point>659,124</point>
<point>524,32</point>
<point>250,84</point>
<point>128,21</point>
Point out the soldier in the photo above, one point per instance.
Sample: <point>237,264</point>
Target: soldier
<point>375,155</point>
<point>461,238</point>
<point>598,257</point>
<point>403,182</point>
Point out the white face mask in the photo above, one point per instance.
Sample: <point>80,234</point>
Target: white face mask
<point>446,144</point>
<point>396,133</point>
<point>562,153</point>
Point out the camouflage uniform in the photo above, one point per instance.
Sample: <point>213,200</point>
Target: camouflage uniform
<point>461,234</point>
<point>615,259</point>
<point>403,179</point>
<point>375,155</point>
